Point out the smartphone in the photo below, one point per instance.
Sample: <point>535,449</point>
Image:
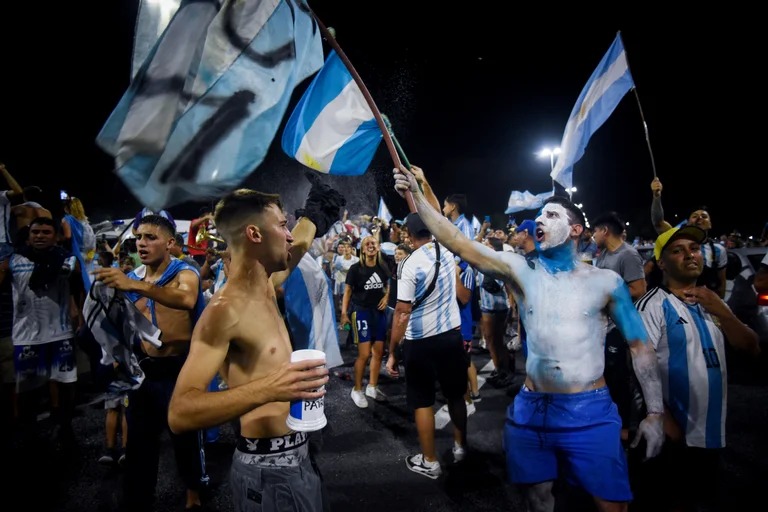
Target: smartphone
<point>63,194</point>
<point>487,218</point>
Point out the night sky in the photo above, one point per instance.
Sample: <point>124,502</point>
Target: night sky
<point>473,94</point>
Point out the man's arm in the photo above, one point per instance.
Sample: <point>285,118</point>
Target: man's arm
<point>15,187</point>
<point>193,407</point>
<point>657,212</point>
<point>738,334</point>
<point>637,288</point>
<point>399,324</point>
<point>303,234</point>
<point>476,254</point>
<point>426,188</point>
<point>646,368</point>
<point>184,296</point>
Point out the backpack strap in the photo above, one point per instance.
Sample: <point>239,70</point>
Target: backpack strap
<point>431,286</point>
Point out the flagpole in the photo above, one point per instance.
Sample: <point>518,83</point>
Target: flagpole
<point>369,99</point>
<point>640,107</point>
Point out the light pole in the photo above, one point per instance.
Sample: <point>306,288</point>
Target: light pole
<point>547,152</point>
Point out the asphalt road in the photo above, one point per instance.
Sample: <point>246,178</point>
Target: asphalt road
<point>361,454</point>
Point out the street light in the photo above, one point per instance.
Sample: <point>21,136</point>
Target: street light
<point>547,152</point>
<point>570,191</point>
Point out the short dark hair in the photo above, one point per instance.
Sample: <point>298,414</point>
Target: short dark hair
<point>179,239</point>
<point>611,221</point>
<point>235,209</point>
<point>159,221</point>
<point>575,215</point>
<point>45,221</point>
<point>460,200</point>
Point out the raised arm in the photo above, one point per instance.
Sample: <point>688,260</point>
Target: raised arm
<point>303,234</point>
<point>426,188</point>
<point>184,296</point>
<point>657,212</point>
<point>476,254</point>
<point>12,183</point>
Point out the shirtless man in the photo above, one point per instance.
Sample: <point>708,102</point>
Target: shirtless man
<point>167,291</point>
<point>243,336</point>
<point>564,413</point>
<point>30,208</point>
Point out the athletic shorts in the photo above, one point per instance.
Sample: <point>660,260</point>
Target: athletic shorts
<point>37,364</point>
<point>275,474</point>
<point>440,358</point>
<point>576,435</point>
<point>369,324</point>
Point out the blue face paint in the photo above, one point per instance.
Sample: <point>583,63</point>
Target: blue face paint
<point>625,315</point>
<point>557,259</point>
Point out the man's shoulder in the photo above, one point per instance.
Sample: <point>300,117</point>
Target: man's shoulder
<point>652,300</point>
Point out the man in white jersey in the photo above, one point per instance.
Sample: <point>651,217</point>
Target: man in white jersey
<point>433,347</point>
<point>45,318</point>
<point>688,326</point>
<point>562,422</point>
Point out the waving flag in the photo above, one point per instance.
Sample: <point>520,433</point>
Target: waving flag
<point>603,92</point>
<point>519,201</point>
<point>332,129</point>
<point>476,226</point>
<point>201,113</point>
<point>383,213</point>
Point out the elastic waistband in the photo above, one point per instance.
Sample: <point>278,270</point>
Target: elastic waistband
<point>272,445</point>
<point>291,458</point>
<point>566,397</point>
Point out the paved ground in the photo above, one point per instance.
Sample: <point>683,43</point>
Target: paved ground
<point>361,455</point>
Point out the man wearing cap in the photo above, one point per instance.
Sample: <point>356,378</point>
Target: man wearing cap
<point>524,238</point>
<point>688,326</point>
<point>427,321</point>
<point>563,422</point>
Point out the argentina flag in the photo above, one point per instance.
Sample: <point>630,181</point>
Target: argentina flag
<point>383,212</point>
<point>332,128</point>
<point>204,108</point>
<point>597,101</point>
<point>519,201</point>
<point>309,310</point>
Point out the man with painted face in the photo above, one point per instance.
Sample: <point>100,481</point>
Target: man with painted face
<point>563,421</point>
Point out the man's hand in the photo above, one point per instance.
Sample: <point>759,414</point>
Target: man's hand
<point>302,380</point>
<point>652,429</point>
<point>392,368</point>
<point>404,181</point>
<point>656,187</point>
<point>114,278</point>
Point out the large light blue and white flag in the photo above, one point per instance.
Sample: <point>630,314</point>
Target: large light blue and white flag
<point>383,212</point>
<point>333,129</point>
<point>201,113</point>
<point>151,21</point>
<point>603,92</point>
<point>476,226</point>
<point>519,201</point>
<point>309,310</point>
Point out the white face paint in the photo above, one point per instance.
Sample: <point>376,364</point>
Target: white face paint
<point>553,220</point>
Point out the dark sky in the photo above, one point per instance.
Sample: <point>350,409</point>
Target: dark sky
<point>472,94</point>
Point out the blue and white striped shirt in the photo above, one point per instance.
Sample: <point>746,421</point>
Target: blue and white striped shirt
<point>691,351</point>
<point>490,302</point>
<point>439,312</point>
<point>465,226</point>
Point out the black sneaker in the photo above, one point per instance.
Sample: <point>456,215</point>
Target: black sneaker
<point>417,464</point>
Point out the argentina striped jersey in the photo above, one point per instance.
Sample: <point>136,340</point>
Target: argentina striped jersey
<point>439,312</point>
<point>691,351</point>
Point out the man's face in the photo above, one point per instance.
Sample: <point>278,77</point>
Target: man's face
<point>600,235</point>
<point>276,239</point>
<point>682,260</point>
<point>153,244</point>
<point>399,255</point>
<point>42,236</point>
<point>499,233</point>
<point>700,218</point>
<point>552,227</point>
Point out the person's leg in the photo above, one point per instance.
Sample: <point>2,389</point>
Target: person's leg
<point>377,352</point>
<point>110,428</point>
<point>425,426</point>
<point>363,354</point>
<point>499,326</point>
<point>539,497</point>
<point>487,325</point>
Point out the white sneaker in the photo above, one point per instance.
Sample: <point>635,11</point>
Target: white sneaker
<point>359,398</point>
<point>375,393</point>
<point>459,452</point>
<point>471,409</point>
<point>417,464</point>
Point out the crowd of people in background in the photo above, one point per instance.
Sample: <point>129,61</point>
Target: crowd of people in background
<point>423,292</point>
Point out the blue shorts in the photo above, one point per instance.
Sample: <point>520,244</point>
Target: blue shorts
<point>577,436</point>
<point>369,324</point>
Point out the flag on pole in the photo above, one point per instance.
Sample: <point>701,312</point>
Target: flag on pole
<point>600,96</point>
<point>476,226</point>
<point>333,129</point>
<point>383,213</point>
<point>519,201</point>
<point>201,113</point>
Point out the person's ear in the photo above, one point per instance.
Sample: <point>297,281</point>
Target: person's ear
<point>253,234</point>
<point>577,230</point>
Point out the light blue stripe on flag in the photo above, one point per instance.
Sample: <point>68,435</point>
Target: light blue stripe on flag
<point>332,129</point>
<point>383,213</point>
<point>309,310</point>
<point>202,112</point>
<point>519,201</point>
<point>599,98</point>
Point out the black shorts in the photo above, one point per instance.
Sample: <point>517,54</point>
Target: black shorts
<point>440,358</point>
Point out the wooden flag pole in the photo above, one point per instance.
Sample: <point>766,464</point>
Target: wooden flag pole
<point>367,95</point>
<point>642,116</point>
